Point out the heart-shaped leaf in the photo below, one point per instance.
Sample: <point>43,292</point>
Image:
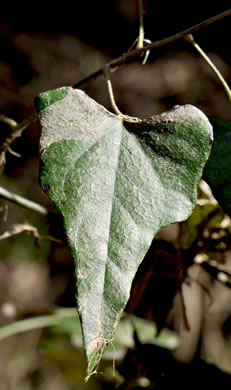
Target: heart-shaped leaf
<point>217,172</point>
<point>116,184</point>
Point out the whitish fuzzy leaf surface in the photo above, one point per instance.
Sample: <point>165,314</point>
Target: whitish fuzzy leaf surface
<point>217,172</point>
<point>116,184</point>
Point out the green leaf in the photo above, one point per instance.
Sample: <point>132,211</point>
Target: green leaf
<point>191,227</point>
<point>217,172</point>
<point>116,184</point>
<point>147,333</point>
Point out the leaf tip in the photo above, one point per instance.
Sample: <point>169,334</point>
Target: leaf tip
<point>95,356</point>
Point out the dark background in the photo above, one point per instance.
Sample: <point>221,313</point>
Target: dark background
<point>46,45</point>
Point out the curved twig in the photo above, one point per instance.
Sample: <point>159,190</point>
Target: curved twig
<point>191,40</point>
<point>111,65</point>
<point>36,322</point>
<point>23,202</point>
<point>128,57</point>
<point>15,133</point>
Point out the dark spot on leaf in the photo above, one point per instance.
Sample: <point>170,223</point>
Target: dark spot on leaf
<point>46,187</point>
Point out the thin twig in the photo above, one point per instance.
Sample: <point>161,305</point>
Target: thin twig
<point>31,230</point>
<point>190,39</point>
<point>36,322</point>
<point>110,91</point>
<point>23,202</point>
<point>18,228</point>
<point>140,42</point>
<point>16,132</point>
<point>125,118</point>
<point>9,121</point>
<point>112,65</point>
<point>130,56</point>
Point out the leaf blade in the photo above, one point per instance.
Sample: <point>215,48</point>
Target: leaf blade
<point>116,185</point>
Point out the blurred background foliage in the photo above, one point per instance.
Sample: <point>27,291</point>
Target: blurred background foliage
<point>49,45</point>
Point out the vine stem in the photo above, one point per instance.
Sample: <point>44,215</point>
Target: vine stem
<point>23,202</point>
<point>112,65</point>
<point>125,118</point>
<point>190,39</point>
<point>36,322</point>
<point>9,121</point>
<point>128,57</point>
<point>110,91</point>
<point>140,42</point>
<point>16,132</point>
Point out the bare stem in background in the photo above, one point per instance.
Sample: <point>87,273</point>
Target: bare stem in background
<point>130,56</point>
<point>140,42</point>
<point>17,130</point>
<point>18,228</point>
<point>36,322</point>
<point>190,39</point>
<point>23,202</point>
<point>112,65</point>
<point>9,121</point>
